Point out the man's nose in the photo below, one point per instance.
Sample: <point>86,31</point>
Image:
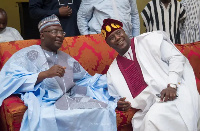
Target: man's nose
<point>117,37</point>
<point>59,34</point>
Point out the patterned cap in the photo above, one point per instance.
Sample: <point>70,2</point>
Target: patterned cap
<point>48,21</point>
<point>110,25</point>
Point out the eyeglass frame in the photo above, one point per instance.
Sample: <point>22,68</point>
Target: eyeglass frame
<point>56,33</point>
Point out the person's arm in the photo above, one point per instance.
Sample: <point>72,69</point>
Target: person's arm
<point>37,12</point>
<point>122,104</point>
<point>55,70</point>
<point>135,18</point>
<point>176,61</point>
<point>145,14</point>
<point>84,15</point>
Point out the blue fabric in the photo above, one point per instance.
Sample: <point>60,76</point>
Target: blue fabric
<point>92,13</point>
<point>19,75</point>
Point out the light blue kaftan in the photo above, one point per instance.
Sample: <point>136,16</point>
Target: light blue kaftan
<point>76,101</point>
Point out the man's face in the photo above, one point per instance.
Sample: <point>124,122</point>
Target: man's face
<point>52,38</point>
<point>3,21</point>
<point>119,41</point>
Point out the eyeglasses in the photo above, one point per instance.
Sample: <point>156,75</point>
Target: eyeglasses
<point>56,32</point>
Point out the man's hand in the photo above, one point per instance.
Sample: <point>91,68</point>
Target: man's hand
<point>55,70</point>
<point>123,105</point>
<point>65,11</point>
<point>168,94</point>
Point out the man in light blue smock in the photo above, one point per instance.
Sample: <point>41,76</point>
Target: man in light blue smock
<point>59,93</point>
<point>92,13</point>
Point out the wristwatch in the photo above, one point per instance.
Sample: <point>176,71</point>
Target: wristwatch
<point>173,86</point>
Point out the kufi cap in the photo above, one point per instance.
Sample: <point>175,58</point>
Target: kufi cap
<point>48,21</point>
<point>110,25</point>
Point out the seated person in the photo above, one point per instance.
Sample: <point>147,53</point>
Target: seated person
<point>59,93</point>
<point>7,33</point>
<point>149,66</point>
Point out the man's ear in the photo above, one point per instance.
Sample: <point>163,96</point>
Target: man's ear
<point>41,36</point>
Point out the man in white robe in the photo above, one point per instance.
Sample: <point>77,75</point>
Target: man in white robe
<point>7,33</point>
<point>160,70</point>
<point>59,93</point>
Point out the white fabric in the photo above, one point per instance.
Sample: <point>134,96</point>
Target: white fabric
<point>154,53</point>
<point>10,34</point>
<point>173,76</point>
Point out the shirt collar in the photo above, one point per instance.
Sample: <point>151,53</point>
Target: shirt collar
<point>127,52</point>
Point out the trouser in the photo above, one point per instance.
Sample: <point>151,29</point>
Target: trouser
<point>160,117</point>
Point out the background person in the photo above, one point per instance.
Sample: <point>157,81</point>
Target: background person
<point>92,13</point>
<point>66,10</point>
<point>164,15</point>
<point>190,28</point>
<point>7,33</point>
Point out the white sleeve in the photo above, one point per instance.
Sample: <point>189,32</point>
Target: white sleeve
<point>175,61</point>
<point>135,20</point>
<point>111,89</point>
<point>16,34</point>
<point>84,15</point>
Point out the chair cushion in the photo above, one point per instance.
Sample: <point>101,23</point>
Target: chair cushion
<point>192,52</point>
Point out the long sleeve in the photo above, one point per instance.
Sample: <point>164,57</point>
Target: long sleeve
<point>111,89</point>
<point>135,18</point>
<point>16,79</point>
<point>84,15</point>
<point>37,11</point>
<point>174,59</point>
<point>145,14</point>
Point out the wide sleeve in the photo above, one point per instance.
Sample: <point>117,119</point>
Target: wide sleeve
<point>37,12</point>
<point>175,61</point>
<point>135,18</point>
<point>111,88</point>
<point>84,15</point>
<point>15,78</point>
